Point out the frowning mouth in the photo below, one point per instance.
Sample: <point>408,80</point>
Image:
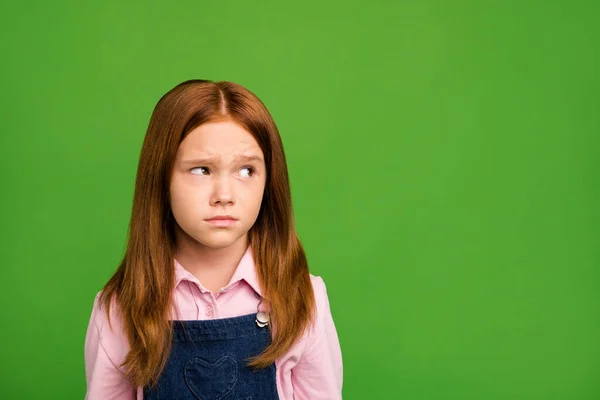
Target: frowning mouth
<point>222,220</point>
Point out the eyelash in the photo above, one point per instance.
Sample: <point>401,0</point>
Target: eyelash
<point>252,169</point>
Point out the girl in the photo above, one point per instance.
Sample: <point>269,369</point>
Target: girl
<point>213,298</point>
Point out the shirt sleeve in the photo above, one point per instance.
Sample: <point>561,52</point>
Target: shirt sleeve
<point>319,373</point>
<point>104,351</point>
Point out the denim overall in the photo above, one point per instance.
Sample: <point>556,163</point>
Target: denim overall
<point>208,362</point>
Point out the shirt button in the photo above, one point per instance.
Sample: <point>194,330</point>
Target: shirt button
<point>209,310</point>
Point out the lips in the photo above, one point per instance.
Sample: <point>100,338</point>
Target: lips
<point>222,218</point>
<point>222,221</point>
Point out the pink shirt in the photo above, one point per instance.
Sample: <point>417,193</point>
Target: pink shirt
<point>310,370</point>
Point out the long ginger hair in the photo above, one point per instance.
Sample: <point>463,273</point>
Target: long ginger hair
<point>142,286</point>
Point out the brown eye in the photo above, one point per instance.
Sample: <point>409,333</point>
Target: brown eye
<point>204,171</point>
<point>249,173</point>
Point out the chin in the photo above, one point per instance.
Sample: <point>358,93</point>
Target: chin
<point>218,242</point>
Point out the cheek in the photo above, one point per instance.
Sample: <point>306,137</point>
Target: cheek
<point>255,197</point>
<point>186,201</point>
<point>249,199</point>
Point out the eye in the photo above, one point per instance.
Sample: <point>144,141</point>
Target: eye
<point>200,173</point>
<point>249,173</point>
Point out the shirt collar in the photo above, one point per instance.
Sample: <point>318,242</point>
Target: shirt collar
<point>245,270</point>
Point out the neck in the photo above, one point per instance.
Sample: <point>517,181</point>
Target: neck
<point>213,267</point>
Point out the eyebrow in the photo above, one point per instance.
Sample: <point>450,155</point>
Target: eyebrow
<point>212,159</point>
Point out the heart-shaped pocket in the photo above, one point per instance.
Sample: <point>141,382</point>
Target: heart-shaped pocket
<point>211,381</point>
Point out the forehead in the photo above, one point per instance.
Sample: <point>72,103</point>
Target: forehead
<point>221,138</point>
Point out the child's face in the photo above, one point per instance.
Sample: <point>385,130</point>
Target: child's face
<point>211,177</point>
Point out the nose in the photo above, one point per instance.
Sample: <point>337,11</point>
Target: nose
<point>222,191</point>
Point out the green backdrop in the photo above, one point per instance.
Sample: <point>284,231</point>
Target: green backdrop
<point>444,159</point>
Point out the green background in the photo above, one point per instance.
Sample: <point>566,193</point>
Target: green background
<point>444,160</point>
